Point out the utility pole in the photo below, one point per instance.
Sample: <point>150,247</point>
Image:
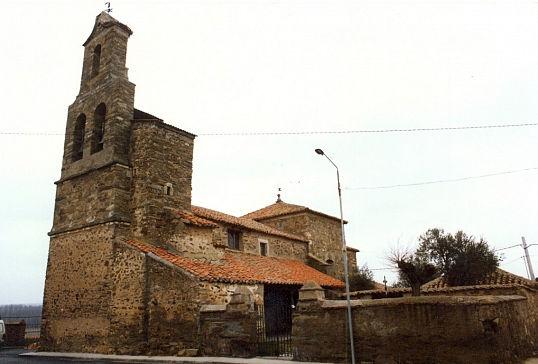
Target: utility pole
<point>531,272</point>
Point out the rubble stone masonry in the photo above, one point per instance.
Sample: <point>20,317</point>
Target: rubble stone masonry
<point>428,330</point>
<point>77,300</point>
<point>161,159</point>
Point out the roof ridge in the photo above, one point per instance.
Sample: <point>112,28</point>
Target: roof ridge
<point>281,208</point>
<point>243,222</point>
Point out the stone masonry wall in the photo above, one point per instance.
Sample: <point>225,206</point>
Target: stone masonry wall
<point>77,300</point>
<point>173,306</point>
<point>478,329</point>
<point>278,247</point>
<point>174,302</point>
<point>129,300</point>
<point>161,157</point>
<point>118,97</point>
<point>230,330</point>
<point>324,233</point>
<point>93,198</point>
<point>194,243</point>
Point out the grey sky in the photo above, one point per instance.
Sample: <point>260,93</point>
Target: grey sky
<point>315,73</point>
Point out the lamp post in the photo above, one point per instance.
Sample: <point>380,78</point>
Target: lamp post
<point>344,251</point>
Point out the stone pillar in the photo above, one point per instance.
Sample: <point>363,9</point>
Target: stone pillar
<point>310,293</point>
<point>230,330</point>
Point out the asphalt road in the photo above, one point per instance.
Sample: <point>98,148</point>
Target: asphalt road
<point>11,356</point>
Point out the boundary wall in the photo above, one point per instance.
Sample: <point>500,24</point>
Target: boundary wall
<point>434,329</point>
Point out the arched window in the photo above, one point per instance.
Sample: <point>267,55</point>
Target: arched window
<point>78,137</point>
<point>96,60</point>
<point>98,129</point>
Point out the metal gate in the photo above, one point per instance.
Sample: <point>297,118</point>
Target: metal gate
<point>274,324</point>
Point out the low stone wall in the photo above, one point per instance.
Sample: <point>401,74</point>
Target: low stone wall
<point>230,330</point>
<point>443,329</point>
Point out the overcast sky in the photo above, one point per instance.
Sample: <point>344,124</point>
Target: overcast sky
<point>263,84</point>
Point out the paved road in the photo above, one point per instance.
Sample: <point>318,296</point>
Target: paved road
<point>12,356</point>
<point>18,356</point>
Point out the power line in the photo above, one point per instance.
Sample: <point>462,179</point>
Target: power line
<point>510,247</point>
<point>375,131</point>
<point>441,181</point>
<point>331,132</point>
<point>512,261</point>
<point>38,134</point>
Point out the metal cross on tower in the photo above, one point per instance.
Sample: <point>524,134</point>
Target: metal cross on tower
<point>108,9</point>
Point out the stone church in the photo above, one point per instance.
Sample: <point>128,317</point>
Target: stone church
<point>131,262</point>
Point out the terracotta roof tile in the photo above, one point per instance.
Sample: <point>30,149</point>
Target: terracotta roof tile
<point>195,220</point>
<point>500,277</point>
<point>281,208</point>
<point>243,222</point>
<point>238,267</point>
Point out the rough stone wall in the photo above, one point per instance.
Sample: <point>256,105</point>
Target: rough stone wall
<point>118,97</point>
<point>78,289</point>
<point>174,302</point>
<point>481,329</point>
<point>129,300</point>
<point>195,243</point>
<point>161,157</point>
<point>173,306</point>
<point>278,247</point>
<point>324,233</point>
<point>93,198</point>
<point>531,319</point>
<point>230,330</point>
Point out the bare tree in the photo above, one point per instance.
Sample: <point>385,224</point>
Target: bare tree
<point>414,269</point>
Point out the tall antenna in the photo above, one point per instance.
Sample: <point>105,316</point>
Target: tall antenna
<point>108,9</point>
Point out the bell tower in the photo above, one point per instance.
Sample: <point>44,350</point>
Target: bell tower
<point>92,197</point>
<point>123,172</point>
<point>94,184</point>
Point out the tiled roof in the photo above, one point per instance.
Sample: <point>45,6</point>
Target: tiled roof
<point>281,208</point>
<point>243,222</point>
<point>500,277</point>
<point>195,220</point>
<point>238,267</point>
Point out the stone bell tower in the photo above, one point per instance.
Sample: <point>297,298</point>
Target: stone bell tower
<point>94,185</point>
<point>123,172</point>
<point>92,204</point>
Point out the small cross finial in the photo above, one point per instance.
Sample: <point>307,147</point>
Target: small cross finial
<point>108,9</point>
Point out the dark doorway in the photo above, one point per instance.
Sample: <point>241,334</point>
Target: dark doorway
<point>275,320</point>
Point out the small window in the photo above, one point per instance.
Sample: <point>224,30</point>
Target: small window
<point>263,249</point>
<point>234,239</point>
<point>168,189</point>
<point>281,225</point>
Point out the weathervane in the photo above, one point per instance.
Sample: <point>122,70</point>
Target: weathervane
<point>108,9</point>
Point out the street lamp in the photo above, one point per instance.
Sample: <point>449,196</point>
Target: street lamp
<point>344,251</point>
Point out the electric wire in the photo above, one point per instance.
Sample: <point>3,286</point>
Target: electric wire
<point>374,131</point>
<point>331,132</point>
<point>509,247</point>
<point>441,181</point>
